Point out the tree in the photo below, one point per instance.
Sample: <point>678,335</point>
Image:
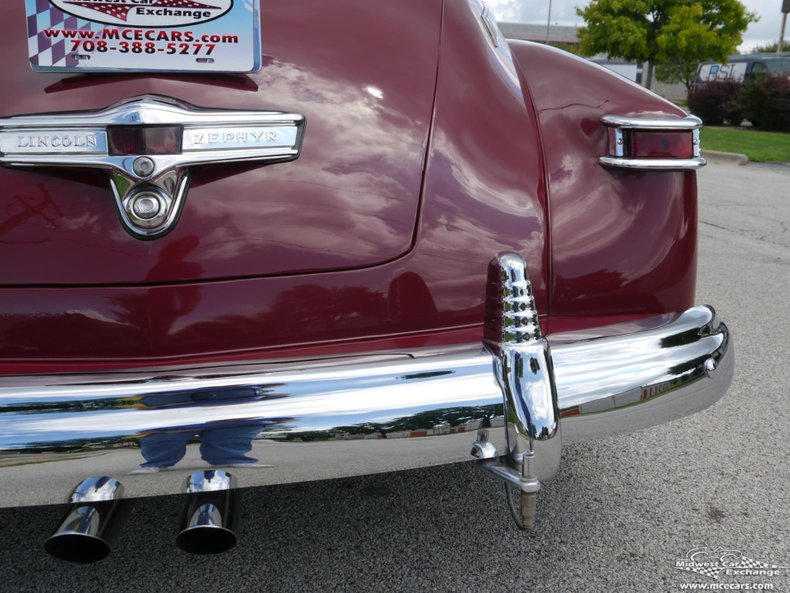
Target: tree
<point>666,32</point>
<point>768,48</point>
<point>572,48</point>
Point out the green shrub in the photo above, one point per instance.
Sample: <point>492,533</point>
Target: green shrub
<point>717,101</point>
<point>766,102</point>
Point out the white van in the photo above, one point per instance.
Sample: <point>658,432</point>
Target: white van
<point>744,67</point>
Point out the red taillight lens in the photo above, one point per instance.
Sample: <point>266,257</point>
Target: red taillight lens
<point>662,144</point>
<point>659,144</point>
<point>148,140</point>
<point>645,142</point>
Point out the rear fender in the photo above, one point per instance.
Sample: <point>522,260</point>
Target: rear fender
<point>622,241</point>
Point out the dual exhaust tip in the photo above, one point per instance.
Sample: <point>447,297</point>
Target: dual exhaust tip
<point>207,526</point>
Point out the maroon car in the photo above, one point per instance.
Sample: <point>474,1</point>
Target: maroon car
<point>252,243</point>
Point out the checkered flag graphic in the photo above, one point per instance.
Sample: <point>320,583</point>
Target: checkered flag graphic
<point>705,570</point>
<point>751,563</point>
<point>46,51</point>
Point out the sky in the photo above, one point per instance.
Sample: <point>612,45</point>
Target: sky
<point>563,12</point>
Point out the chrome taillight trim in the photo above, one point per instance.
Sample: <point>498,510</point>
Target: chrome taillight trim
<point>656,164</point>
<point>651,123</point>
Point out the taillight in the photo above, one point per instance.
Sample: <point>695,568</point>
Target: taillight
<point>147,140</point>
<point>653,142</point>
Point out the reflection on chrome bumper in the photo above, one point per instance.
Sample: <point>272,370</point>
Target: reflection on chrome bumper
<point>339,417</point>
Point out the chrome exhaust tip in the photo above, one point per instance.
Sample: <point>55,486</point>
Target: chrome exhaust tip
<point>207,526</point>
<point>80,537</point>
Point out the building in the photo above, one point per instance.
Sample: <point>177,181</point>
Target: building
<point>537,32</point>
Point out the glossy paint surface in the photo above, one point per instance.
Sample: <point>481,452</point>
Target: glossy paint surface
<point>622,241</point>
<point>350,201</point>
<point>483,194</point>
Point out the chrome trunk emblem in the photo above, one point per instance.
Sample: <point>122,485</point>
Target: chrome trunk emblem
<point>147,145</point>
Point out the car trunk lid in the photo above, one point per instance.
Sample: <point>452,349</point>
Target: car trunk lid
<point>365,87</point>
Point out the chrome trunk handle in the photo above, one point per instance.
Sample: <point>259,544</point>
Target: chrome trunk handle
<point>147,145</point>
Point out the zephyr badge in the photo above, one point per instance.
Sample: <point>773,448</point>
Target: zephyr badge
<point>147,145</point>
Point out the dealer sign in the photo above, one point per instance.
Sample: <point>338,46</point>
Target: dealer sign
<point>144,35</point>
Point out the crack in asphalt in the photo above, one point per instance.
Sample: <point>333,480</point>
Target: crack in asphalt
<point>748,234</point>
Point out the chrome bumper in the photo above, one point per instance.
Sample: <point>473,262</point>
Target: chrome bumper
<point>343,416</point>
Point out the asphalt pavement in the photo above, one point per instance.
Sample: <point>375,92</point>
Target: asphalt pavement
<point>620,514</point>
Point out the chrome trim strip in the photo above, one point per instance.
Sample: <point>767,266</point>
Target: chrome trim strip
<point>161,162</point>
<point>652,122</point>
<point>658,164</point>
<point>54,428</point>
<point>490,24</point>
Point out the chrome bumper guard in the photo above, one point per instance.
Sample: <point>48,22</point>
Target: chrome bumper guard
<point>351,416</point>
